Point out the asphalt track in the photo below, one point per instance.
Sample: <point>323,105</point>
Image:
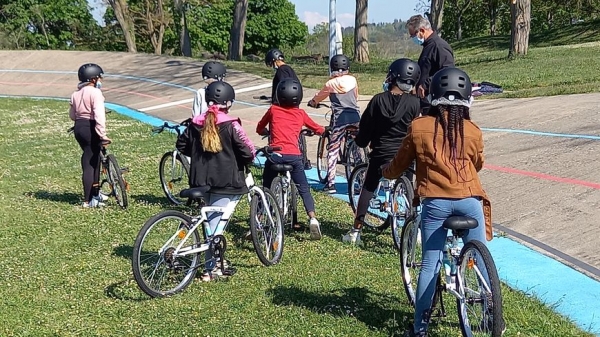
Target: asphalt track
<point>540,172</point>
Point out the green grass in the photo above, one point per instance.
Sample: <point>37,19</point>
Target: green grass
<point>65,271</point>
<point>560,61</point>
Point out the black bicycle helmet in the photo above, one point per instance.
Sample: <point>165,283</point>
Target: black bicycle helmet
<point>272,56</point>
<point>450,82</point>
<point>89,72</point>
<point>289,93</point>
<point>219,93</point>
<point>214,70</point>
<point>339,63</point>
<point>404,71</point>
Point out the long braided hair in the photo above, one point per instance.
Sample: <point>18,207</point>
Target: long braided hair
<point>451,119</point>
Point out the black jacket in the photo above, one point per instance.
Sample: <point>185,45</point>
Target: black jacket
<point>222,172</point>
<point>436,54</point>
<point>282,72</point>
<point>385,122</point>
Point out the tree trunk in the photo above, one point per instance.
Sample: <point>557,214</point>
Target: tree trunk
<point>520,11</point>
<point>238,29</point>
<point>437,12</point>
<point>361,32</point>
<point>493,12</point>
<point>459,27</point>
<point>185,46</point>
<point>126,23</point>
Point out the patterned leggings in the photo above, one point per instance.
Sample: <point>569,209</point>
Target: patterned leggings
<point>333,150</point>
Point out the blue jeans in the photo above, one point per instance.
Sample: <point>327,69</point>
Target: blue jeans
<point>219,200</point>
<point>433,236</point>
<point>298,177</point>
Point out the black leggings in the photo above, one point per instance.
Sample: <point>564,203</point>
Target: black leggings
<point>90,143</point>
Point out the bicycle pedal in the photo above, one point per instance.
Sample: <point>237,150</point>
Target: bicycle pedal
<point>229,271</point>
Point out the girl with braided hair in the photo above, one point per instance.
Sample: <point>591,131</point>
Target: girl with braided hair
<point>448,149</point>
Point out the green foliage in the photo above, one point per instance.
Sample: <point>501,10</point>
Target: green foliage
<point>47,24</point>
<point>209,25</point>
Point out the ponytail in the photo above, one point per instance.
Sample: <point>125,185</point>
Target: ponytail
<point>210,132</point>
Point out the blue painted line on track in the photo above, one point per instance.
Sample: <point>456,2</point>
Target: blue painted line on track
<point>540,133</point>
<point>567,291</point>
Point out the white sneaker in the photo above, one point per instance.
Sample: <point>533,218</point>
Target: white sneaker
<point>315,229</point>
<point>352,237</point>
<point>95,202</point>
<point>102,197</point>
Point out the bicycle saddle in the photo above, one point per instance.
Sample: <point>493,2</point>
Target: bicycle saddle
<point>457,223</point>
<point>282,167</point>
<point>193,193</point>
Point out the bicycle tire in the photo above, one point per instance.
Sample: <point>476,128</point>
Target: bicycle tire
<point>279,192</point>
<point>294,204</point>
<point>355,184</point>
<point>273,249</point>
<point>116,181</point>
<point>304,152</point>
<point>322,164</point>
<point>410,258</point>
<point>167,184</point>
<point>491,322</point>
<point>353,157</point>
<point>142,258</point>
<point>403,211</point>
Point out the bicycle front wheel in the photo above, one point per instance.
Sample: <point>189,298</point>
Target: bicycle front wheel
<point>173,173</point>
<point>411,256</point>
<point>402,206</point>
<point>266,227</point>
<point>322,159</point>
<point>157,268</point>
<point>480,309</point>
<point>116,181</point>
<point>354,157</point>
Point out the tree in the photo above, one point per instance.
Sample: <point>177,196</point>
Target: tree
<point>151,21</point>
<point>361,40</point>
<point>436,15</point>
<point>459,7</point>
<point>125,20</point>
<point>185,47</point>
<point>520,11</point>
<point>238,28</point>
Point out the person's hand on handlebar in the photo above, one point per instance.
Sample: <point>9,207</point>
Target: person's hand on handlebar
<point>264,132</point>
<point>312,103</point>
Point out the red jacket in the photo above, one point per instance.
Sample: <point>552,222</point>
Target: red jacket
<point>285,125</point>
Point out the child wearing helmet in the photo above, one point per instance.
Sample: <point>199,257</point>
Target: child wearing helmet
<point>342,90</point>
<point>88,112</point>
<point>219,150</point>
<point>448,149</point>
<point>275,59</point>
<point>211,71</point>
<point>383,126</point>
<point>285,120</point>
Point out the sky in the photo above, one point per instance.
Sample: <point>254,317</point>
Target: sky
<point>313,12</point>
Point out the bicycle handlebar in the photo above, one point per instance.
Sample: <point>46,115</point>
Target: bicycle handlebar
<point>320,105</point>
<point>267,150</point>
<point>307,132</point>
<point>166,125</point>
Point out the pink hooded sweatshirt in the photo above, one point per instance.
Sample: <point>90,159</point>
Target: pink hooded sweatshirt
<point>88,103</point>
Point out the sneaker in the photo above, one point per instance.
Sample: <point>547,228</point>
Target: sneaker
<point>352,237</point>
<point>410,332</point>
<point>94,203</point>
<point>248,236</point>
<point>315,229</point>
<point>329,189</point>
<point>307,165</point>
<point>215,273</point>
<point>102,197</point>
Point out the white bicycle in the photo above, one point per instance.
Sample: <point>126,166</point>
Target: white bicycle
<point>167,250</point>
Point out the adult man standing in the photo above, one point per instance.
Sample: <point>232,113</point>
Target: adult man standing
<point>436,54</point>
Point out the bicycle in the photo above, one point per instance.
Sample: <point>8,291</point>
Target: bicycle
<point>285,189</point>
<point>110,180</point>
<point>174,167</point>
<point>166,265</point>
<point>390,204</point>
<point>350,154</point>
<point>478,297</point>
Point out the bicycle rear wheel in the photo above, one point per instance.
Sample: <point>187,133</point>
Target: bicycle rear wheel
<point>286,199</point>
<point>354,156</point>
<point>480,310</point>
<point>173,173</point>
<point>322,158</point>
<point>375,218</point>
<point>115,180</point>
<point>266,227</point>
<point>157,270</point>
<point>303,150</point>
<point>402,198</point>
<point>411,256</point>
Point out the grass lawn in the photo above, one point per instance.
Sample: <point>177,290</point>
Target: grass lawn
<point>66,271</point>
<point>560,61</point>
